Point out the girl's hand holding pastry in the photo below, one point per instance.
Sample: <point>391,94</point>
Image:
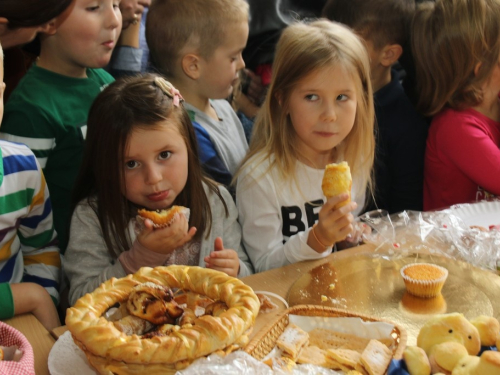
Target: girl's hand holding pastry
<point>224,260</point>
<point>334,224</point>
<point>165,240</point>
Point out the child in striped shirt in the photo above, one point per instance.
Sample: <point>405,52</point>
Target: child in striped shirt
<point>29,257</point>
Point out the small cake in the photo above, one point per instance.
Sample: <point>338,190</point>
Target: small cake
<point>337,180</point>
<point>163,218</point>
<point>424,279</point>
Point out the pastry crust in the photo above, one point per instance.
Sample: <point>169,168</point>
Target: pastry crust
<point>337,180</point>
<point>104,343</point>
<point>162,217</point>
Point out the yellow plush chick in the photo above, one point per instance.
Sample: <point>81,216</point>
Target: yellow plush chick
<point>416,361</point>
<point>445,356</point>
<point>466,366</point>
<point>487,364</point>
<point>449,327</point>
<point>488,328</point>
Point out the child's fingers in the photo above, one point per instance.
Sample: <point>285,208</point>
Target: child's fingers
<point>219,256</point>
<point>229,266</point>
<point>186,237</point>
<point>148,224</point>
<point>224,254</point>
<point>344,232</point>
<point>333,201</point>
<point>192,231</point>
<point>218,244</point>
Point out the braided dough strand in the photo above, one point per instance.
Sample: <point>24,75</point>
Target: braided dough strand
<point>100,337</point>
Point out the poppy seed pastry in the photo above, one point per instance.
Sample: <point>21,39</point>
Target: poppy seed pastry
<point>337,180</point>
<point>111,351</point>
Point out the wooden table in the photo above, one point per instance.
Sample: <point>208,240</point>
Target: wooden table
<point>39,338</point>
<point>279,280</point>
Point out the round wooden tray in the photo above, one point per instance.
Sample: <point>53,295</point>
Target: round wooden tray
<point>371,284</point>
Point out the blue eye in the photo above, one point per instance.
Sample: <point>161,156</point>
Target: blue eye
<point>131,164</point>
<point>165,155</point>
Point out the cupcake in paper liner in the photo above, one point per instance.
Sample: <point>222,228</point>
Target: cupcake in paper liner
<point>424,279</point>
<point>160,218</point>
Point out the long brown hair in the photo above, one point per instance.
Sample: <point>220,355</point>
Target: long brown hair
<point>451,38</point>
<point>301,50</point>
<point>125,105</point>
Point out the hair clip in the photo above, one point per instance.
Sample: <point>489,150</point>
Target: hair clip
<point>169,90</point>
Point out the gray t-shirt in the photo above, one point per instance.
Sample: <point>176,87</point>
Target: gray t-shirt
<point>227,134</point>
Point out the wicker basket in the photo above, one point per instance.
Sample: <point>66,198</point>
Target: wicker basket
<point>265,340</point>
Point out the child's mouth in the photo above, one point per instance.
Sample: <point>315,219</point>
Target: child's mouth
<point>158,196</point>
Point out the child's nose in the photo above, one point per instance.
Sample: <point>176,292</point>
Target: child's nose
<point>114,18</point>
<point>329,113</point>
<point>153,176</point>
<point>241,62</point>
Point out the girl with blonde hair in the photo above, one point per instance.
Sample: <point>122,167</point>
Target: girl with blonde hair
<point>319,110</point>
<point>456,44</point>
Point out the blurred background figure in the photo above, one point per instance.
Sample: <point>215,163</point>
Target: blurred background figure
<point>20,22</point>
<point>131,55</point>
<point>132,11</point>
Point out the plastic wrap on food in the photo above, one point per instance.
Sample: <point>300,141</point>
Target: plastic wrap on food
<point>441,233</point>
<point>242,363</point>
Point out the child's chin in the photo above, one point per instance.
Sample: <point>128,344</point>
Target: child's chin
<point>101,63</point>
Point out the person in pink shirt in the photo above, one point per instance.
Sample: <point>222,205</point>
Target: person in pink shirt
<point>456,46</point>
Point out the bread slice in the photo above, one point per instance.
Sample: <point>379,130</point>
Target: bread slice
<point>347,359</point>
<point>376,358</point>
<point>292,340</point>
<point>313,355</point>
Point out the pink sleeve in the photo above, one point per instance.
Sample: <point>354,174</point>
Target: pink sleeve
<point>138,256</point>
<point>474,151</point>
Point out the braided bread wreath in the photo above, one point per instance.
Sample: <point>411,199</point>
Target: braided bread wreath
<point>111,351</point>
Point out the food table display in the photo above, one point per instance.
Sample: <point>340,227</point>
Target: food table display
<point>363,279</point>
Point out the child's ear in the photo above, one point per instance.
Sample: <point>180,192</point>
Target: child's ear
<point>278,97</point>
<point>191,65</point>
<point>390,54</point>
<point>477,67</point>
<point>50,28</point>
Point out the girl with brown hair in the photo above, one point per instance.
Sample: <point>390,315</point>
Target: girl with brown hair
<point>141,152</point>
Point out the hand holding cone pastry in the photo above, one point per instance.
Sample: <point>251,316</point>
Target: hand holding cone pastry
<point>335,218</point>
<point>337,180</point>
